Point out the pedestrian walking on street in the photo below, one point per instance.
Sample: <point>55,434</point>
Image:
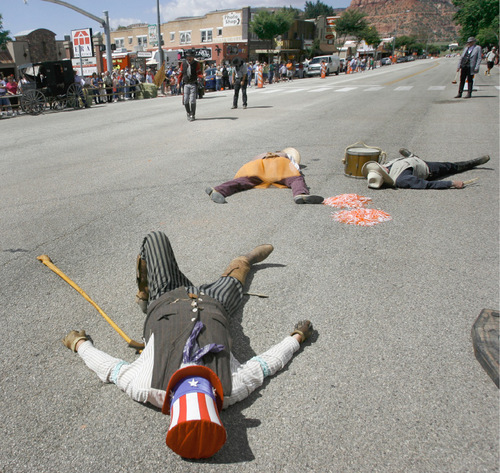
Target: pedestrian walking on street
<point>491,58</point>
<point>190,73</point>
<point>468,65</point>
<point>187,367</point>
<point>239,81</point>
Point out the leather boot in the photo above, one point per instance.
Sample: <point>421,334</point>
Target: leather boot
<point>193,111</point>
<point>142,295</point>
<point>466,165</point>
<point>188,110</point>
<point>240,267</point>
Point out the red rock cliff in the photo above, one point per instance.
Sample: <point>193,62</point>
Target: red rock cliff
<point>428,20</point>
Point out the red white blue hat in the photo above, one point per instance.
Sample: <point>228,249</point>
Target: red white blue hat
<point>194,399</point>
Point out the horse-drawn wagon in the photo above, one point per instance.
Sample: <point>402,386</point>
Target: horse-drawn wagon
<point>51,84</point>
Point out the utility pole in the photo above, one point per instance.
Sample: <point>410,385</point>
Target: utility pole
<point>103,22</point>
<point>158,27</point>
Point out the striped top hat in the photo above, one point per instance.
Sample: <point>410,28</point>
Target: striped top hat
<point>194,399</point>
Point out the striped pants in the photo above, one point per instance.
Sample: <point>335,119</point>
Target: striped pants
<point>164,275</point>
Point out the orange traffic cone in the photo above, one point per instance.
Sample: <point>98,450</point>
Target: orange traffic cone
<point>323,70</point>
<point>260,78</point>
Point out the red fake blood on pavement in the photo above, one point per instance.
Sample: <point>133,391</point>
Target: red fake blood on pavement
<point>347,201</point>
<point>361,217</point>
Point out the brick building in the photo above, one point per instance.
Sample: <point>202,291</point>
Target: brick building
<point>32,46</point>
<point>223,34</point>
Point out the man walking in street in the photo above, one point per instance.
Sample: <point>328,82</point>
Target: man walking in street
<point>239,81</point>
<point>190,72</point>
<point>187,367</point>
<point>468,65</point>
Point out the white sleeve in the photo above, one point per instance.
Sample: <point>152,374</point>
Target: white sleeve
<point>132,378</point>
<point>247,377</point>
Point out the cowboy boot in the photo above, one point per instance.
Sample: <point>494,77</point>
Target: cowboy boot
<point>142,295</point>
<point>239,267</point>
<point>466,165</point>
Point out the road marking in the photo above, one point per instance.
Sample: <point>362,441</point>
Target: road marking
<point>374,88</point>
<point>412,75</point>
<point>291,91</point>
<point>321,89</point>
<point>271,91</point>
<point>346,89</point>
<point>404,88</point>
<point>498,87</point>
<point>437,87</point>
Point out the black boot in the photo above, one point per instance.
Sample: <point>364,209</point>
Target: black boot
<point>193,111</point>
<point>188,110</point>
<point>466,165</point>
<point>142,295</point>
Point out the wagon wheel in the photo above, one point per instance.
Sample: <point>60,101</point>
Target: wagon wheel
<point>74,96</point>
<point>33,102</point>
<point>59,103</point>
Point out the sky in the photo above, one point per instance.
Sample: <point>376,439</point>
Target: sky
<point>22,15</point>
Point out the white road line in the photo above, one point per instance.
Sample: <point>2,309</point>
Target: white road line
<point>404,88</point>
<point>437,87</point>
<point>291,91</point>
<point>374,88</point>
<point>346,89</point>
<point>321,89</point>
<point>498,87</point>
<point>271,91</point>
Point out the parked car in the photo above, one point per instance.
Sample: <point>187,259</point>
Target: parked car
<point>411,58</point>
<point>332,65</point>
<point>402,59</point>
<point>385,61</point>
<point>210,82</point>
<point>300,70</point>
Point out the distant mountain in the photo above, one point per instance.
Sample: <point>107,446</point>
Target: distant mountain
<point>428,20</point>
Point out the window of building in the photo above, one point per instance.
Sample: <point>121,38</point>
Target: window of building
<point>142,40</point>
<point>120,42</point>
<point>206,36</point>
<point>130,39</point>
<point>219,31</point>
<point>172,36</point>
<point>185,37</point>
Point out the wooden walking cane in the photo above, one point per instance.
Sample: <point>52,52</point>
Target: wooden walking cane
<point>48,262</point>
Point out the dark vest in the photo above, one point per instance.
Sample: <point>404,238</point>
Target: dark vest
<point>193,77</point>
<point>171,319</point>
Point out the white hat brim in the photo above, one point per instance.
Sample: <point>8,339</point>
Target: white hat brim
<point>374,167</point>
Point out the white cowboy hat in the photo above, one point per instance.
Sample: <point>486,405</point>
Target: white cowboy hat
<point>293,153</point>
<point>376,175</point>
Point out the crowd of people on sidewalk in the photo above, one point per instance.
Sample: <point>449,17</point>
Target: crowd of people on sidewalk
<point>122,84</point>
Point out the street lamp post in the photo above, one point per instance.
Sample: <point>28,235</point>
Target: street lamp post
<point>103,22</point>
<point>158,33</point>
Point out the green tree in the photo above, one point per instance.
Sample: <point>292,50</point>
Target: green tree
<point>371,36</point>
<point>477,17</point>
<point>351,23</point>
<point>313,10</point>
<point>267,25</point>
<point>433,49</point>
<point>4,35</point>
<point>296,12</point>
<point>488,37</point>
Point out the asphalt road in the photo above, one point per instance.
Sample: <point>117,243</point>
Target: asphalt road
<point>390,382</point>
